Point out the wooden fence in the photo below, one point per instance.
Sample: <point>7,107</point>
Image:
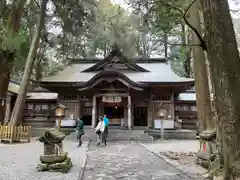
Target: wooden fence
<point>15,133</point>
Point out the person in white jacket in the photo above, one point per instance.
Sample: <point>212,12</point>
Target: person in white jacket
<point>99,130</point>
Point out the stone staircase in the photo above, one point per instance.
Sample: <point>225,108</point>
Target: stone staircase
<point>116,135</point>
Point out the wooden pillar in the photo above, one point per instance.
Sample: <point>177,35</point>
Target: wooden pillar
<point>150,111</point>
<point>129,112</point>
<point>173,111</point>
<point>8,109</point>
<point>150,114</point>
<point>94,101</point>
<point>81,106</point>
<point>77,110</point>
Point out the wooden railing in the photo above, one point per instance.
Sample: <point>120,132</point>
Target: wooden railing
<point>15,133</point>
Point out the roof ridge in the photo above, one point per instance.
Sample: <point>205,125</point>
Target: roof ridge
<point>135,60</point>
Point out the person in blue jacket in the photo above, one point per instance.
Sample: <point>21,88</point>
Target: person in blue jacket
<point>105,133</point>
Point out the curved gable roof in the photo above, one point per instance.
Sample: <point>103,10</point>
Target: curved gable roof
<point>122,59</point>
<point>141,71</point>
<point>115,75</point>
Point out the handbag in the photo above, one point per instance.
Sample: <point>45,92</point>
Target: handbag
<point>98,131</point>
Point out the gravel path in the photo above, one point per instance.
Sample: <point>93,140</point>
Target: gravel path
<point>19,161</point>
<point>127,161</point>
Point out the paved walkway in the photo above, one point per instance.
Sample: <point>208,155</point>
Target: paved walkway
<point>187,165</point>
<point>174,145</point>
<point>127,161</point>
<point>19,161</point>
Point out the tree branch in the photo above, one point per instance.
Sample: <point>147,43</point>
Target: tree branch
<point>202,42</point>
<point>176,44</point>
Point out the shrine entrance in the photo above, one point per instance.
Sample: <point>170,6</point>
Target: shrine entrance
<point>115,113</point>
<point>114,109</point>
<point>140,115</point>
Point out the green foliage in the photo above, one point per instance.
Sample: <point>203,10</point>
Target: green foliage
<point>92,30</point>
<point>89,28</point>
<point>10,43</point>
<point>164,17</point>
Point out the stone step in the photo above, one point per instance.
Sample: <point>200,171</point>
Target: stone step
<point>173,134</point>
<point>114,137</point>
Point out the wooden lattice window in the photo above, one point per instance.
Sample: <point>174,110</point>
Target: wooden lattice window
<point>161,97</point>
<point>87,110</point>
<point>70,97</point>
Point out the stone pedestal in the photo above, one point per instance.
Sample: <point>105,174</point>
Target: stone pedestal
<point>49,149</point>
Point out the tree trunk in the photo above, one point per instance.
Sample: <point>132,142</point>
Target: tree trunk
<point>200,74</point>
<point>20,102</point>
<point>187,62</point>
<point>105,51</point>
<point>187,51</point>
<point>38,69</point>
<point>4,79</point>
<point>225,70</point>
<point>165,37</point>
<point>7,57</point>
<point>8,109</point>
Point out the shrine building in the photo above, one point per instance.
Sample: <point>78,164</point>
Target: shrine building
<point>131,92</point>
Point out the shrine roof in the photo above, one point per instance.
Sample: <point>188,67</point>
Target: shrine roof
<point>34,94</point>
<point>189,95</point>
<point>137,70</point>
<point>13,86</point>
<point>186,96</point>
<point>157,72</point>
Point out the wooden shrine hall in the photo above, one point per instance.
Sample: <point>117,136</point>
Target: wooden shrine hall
<point>131,92</point>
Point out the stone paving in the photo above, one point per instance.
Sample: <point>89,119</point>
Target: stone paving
<point>188,165</point>
<point>19,161</point>
<point>174,145</point>
<point>127,161</point>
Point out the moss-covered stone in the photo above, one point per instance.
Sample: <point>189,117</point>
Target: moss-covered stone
<point>51,159</point>
<point>42,167</point>
<point>61,167</point>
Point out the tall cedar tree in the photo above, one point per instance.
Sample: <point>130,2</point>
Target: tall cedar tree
<point>17,113</point>
<point>200,73</point>
<point>225,70</point>
<point>6,55</point>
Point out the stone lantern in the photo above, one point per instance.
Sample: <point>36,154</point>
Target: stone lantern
<point>162,114</point>
<point>54,159</point>
<point>50,139</point>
